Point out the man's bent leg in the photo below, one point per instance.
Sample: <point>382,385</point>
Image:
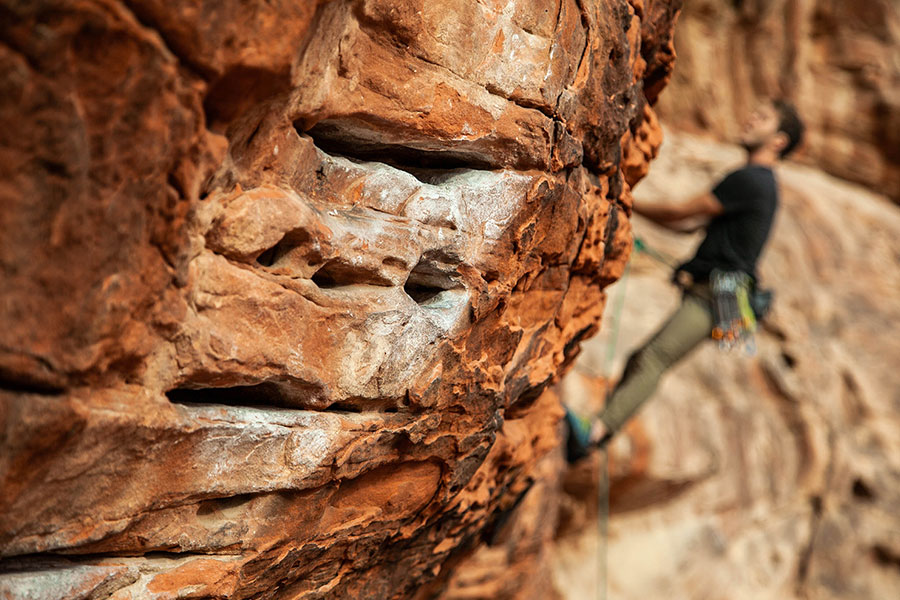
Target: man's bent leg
<point>690,325</point>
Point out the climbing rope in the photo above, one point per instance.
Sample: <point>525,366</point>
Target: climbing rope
<point>616,320</point>
<point>603,482</point>
<point>640,246</point>
<point>603,476</point>
<point>603,467</point>
<point>603,526</point>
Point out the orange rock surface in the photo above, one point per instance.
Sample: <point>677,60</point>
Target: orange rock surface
<point>285,285</point>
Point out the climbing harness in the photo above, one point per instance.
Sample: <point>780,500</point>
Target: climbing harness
<point>738,304</point>
<point>734,319</point>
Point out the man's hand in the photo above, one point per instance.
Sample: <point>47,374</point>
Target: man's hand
<point>684,216</point>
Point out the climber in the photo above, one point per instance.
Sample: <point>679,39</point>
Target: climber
<point>738,216</point>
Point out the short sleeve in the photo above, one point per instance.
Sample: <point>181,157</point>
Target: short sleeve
<point>735,192</point>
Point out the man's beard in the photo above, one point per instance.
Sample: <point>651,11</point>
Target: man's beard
<point>751,146</point>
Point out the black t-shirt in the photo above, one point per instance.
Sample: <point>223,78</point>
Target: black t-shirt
<point>735,238</point>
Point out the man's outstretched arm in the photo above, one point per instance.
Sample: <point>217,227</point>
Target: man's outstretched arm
<point>683,216</point>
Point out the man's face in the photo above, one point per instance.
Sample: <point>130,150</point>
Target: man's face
<point>760,127</point>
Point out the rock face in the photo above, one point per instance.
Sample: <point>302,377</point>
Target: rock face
<point>838,61</point>
<point>285,285</point>
<point>772,476</point>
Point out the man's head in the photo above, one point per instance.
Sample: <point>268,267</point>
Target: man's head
<point>774,126</point>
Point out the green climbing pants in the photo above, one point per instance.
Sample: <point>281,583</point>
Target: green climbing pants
<point>685,329</point>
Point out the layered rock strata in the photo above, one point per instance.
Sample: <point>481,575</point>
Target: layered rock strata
<point>284,286</point>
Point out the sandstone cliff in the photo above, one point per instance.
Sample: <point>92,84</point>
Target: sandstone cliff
<point>839,62</point>
<point>284,284</point>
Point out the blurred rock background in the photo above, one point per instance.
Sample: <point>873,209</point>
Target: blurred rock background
<point>775,475</point>
<point>839,62</point>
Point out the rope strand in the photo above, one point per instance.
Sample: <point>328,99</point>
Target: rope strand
<point>603,483</point>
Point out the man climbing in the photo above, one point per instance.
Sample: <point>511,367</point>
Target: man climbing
<point>739,212</point>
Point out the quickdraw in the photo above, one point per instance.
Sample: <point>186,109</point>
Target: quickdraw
<point>734,320</point>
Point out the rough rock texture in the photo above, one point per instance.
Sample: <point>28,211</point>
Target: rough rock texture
<point>838,61</point>
<point>775,476</point>
<point>284,285</point>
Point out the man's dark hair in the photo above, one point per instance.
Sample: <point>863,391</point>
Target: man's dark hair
<point>790,124</point>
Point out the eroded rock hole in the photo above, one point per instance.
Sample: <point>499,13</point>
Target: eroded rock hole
<point>491,276</point>
<point>268,394</point>
<point>361,143</point>
<point>263,394</point>
<point>886,557</point>
<point>238,90</point>
<point>225,507</point>
<point>427,281</point>
<point>347,407</point>
<point>268,258</point>
<point>285,247</point>
<point>338,273</point>
<point>789,360</point>
<point>23,385</point>
<point>421,293</point>
<point>862,491</point>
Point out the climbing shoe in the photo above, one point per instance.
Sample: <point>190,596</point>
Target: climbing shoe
<point>579,441</point>
<point>578,437</point>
